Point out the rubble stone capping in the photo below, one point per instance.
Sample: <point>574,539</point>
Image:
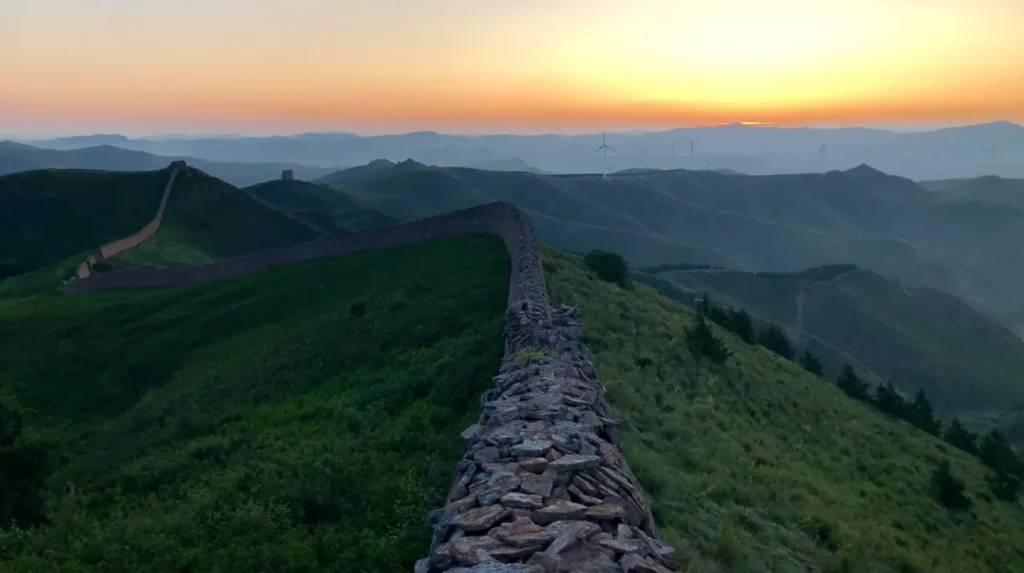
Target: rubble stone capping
<point>543,485</point>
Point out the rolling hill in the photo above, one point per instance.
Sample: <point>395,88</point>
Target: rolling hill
<point>49,215</point>
<point>208,220</point>
<point>990,190</point>
<point>326,209</point>
<point>922,338</point>
<point>882,223</point>
<point>15,157</point>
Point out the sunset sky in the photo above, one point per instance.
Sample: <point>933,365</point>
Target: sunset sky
<point>258,66</point>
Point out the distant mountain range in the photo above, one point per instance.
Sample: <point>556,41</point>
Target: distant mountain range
<point>950,241</point>
<point>98,153</point>
<point>960,152</point>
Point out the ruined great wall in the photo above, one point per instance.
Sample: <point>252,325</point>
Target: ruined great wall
<point>543,485</point>
<point>135,239</point>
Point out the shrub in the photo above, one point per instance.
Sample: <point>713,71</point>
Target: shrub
<point>948,489</point>
<point>608,266</point>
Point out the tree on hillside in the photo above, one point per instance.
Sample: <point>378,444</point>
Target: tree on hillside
<point>1004,486</point>
<point>702,342</point>
<point>811,363</point>
<point>889,401</point>
<point>852,384</point>
<point>958,436</point>
<point>23,472</point>
<point>948,489</point>
<point>773,338</point>
<point>920,414</point>
<point>742,325</point>
<point>712,312</point>
<point>996,453</point>
<point>608,266</point>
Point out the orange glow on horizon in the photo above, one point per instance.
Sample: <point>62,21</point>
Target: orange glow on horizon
<point>467,64</point>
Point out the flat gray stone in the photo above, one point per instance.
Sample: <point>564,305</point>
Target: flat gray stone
<point>531,448</point>
<point>534,465</point>
<point>522,500</point>
<point>472,550</point>
<point>605,511</point>
<point>522,533</point>
<point>571,533</point>
<point>538,484</point>
<point>481,518</point>
<point>572,463</point>
<point>485,455</point>
<point>558,511</point>
<point>471,434</point>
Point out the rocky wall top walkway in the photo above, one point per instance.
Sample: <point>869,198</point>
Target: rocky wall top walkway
<point>543,486</point>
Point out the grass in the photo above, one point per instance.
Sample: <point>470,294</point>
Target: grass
<point>304,419</point>
<point>49,215</point>
<point>208,219</point>
<point>329,210</point>
<point>922,338</point>
<point>758,466</point>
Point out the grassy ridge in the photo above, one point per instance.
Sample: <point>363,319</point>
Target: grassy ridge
<point>208,219</point>
<point>304,419</point>
<point>329,210</point>
<point>759,466</point>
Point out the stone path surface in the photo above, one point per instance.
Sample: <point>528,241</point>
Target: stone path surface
<point>543,486</point>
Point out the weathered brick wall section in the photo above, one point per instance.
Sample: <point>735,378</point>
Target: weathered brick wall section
<point>114,247</point>
<point>543,485</point>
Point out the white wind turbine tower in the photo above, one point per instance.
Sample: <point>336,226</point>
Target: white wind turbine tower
<point>821,155</point>
<point>606,148</point>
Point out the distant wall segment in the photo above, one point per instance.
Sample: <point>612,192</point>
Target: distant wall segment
<point>543,485</point>
<point>112,248</point>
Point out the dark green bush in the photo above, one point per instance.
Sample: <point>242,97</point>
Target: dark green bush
<point>609,266</point>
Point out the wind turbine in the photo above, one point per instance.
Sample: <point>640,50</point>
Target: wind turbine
<point>821,155</point>
<point>606,148</point>
<point>691,148</point>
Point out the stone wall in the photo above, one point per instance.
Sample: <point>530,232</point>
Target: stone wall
<point>112,248</point>
<point>543,485</point>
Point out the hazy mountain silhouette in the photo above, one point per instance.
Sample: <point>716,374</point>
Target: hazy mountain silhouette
<point>15,157</point>
<point>995,148</point>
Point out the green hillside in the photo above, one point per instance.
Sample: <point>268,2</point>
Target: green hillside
<point>920,337</point>
<point>759,466</point>
<point>328,210</point>
<point>303,419</point>
<point>49,215</point>
<point>208,219</point>
<point>887,224</point>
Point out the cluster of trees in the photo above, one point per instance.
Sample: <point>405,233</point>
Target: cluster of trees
<point>1007,475</point>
